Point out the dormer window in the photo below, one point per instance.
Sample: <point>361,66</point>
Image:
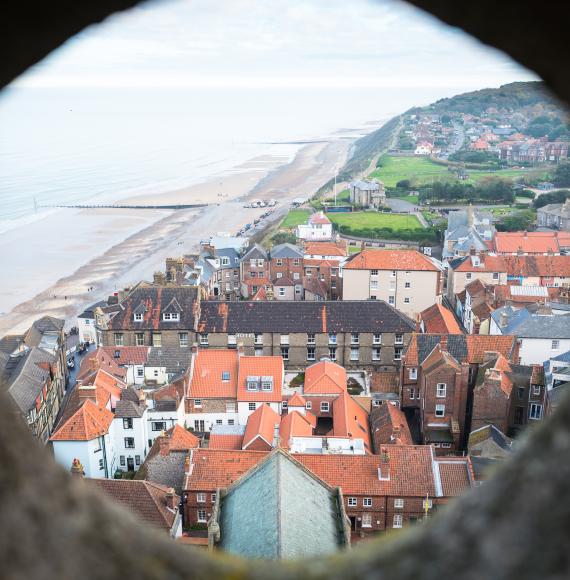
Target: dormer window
<point>252,383</point>
<point>225,261</point>
<point>138,317</point>
<point>171,316</point>
<point>225,376</point>
<point>266,383</point>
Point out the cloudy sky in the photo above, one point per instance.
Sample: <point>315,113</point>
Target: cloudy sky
<point>306,43</point>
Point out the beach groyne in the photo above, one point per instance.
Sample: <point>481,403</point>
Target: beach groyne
<point>127,206</point>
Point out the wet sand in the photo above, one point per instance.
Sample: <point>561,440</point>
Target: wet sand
<point>53,264</point>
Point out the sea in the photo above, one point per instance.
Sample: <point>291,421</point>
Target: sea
<point>100,145</point>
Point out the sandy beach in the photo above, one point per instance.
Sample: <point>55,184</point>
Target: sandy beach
<point>73,258</point>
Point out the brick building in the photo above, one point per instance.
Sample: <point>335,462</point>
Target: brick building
<point>286,271</point>
<point>380,492</point>
<point>255,271</point>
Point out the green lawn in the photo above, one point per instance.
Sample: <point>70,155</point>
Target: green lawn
<point>420,170</point>
<point>371,219</point>
<point>353,249</point>
<point>409,198</point>
<point>295,217</point>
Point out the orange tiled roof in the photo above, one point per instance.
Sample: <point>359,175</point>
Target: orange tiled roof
<point>438,319</point>
<point>261,423</point>
<point>390,260</point>
<point>218,441</point>
<point>488,263</point>
<point>455,475</point>
<point>545,266</point>
<point>297,400</point>
<point>260,366</point>
<point>181,440</point>
<point>325,249</point>
<point>99,359</point>
<point>206,381</point>
<point>528,242</point>
<point>128,355</point>
<point>390,426</point>
<point>319,218</point>
<point>261,294</point>
<point>294,424</point>
<point>324,378</point>
<point>87,423</point>
<point>351,420</point>
<point>384,382</point>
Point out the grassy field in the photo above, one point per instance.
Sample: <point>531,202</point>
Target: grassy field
<point>353,249</point>
<point>369,219</point>
<point>294,218</point>
<point>422,170</point>
<point>409,198</point>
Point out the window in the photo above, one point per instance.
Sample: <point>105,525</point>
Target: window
<point>398,353</point>
<point>393,274</point>
<point>279,275</point>
<point>311,353</point>
<point>495,275</point>
<point>311,338</point>
<point>535,411</point>
<point>366,520</point>
<point>376,353</point>
<point>199,425</point>
<point>155,373</point>
<point>412,394</point>
<point>183,338</point>
<point>279,262</point>
<point>284,405</point>
<point>377,338</point>
<point>398,521</point>
<point>231,421</point>
<point>399,339</point>
<point>399,504</point>
<point>138,317</point>
<point>391,300</point>
<point>253,275</point>
<point>197,402</point>
<point>230,407</point>
<point>127,423</point>
<point>284,339</point>
<point>296,262</point>
<point>281,291</point>
<point>140,372</point>
<point>232,340</point>
<point>225,376</point>
<point>354,353</point>
<point>373,284</point>
<point>202,516</point>
<point>260,262</point>
<point>251,406</point>
<point>159,426</point>
<point>309,405</point>
<point>520,392</point>
<point>203,339</point>
<point>267,384</point>
<point>157,339</point>
<point>101,464</point>
<point>213,497</point>
<point>413,374</point>
<point>119,339</point>
<point>137,459</point>
<point>285,352</point>
<point>440,410</point>
<point>139,338</point>
<point>446,445</point>
<point>468,276</point>
<point>253,262</point>
<point>441,390</point>
<point>352,502</point>
<point>295,275</point>
<point>367,502</point>
<point>257,338</point>
<point>354,339</point>
<point>171,316</point>
<point>407,300</point>
<point>536,389</point>
<point>334,271</point>
<point>129,443</point>
<point>555,345</point>
<point>374,272</point>
<point>332,338</point>
<point>252,383</point>
<point>122,460</point>
<point>332,353</point>
<point>258,351</point>
<point>201,497</point>
<point>325,406</point>
<point>219,422</point>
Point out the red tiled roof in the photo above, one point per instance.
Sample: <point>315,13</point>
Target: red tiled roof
<point>319,218</point>
<point>260,366</point>
<point>181,440</point>
<point>261,294</point>
<point>455,475</point>
<point>325,249</point>
<point>296,400</point>
<point>389,426</point>
<point>527,242</point>
<point>145,499</point>
<point>384,382</point>
<point>536,266</point>
<point>295,424</point>
<point>206,381</point>
<point>438,319</point>
<point>487,263</point>
<point>96,360</point>
<point>390,260</point>
<point>351,420</point>
<point>218,441</point>
<point>128,355</point>
<point>261,424</point>
<point>87,423</point>
<point>324,378</point>
<point>256,282</point>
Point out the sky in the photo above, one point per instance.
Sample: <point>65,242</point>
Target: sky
<point>273,43</point>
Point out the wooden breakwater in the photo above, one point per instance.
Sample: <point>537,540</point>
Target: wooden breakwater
<point>127,206</point>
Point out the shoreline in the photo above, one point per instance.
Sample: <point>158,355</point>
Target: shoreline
<point>143,247</point>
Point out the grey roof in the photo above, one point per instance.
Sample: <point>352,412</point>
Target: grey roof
<point>483,466</point>
<point>256,251</point>
<point>164,406</point>
<point>230,253</point>
<point>525,324</point>
<point>286,251</point>
<point>125,409</point>
<point>564,357</point>
<point>174,359</point>
<point>365,185</point>
<point>89,312</point>
<point>10,343</point>
<point>227,430</point>
<point>49,324</point>
<point>556,395</point>
<point>287,511</point>
<point>25,378</point>
<point>168,470</point>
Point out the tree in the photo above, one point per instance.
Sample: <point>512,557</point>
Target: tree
<point>403,184</point>
<point>517,222</point>
<point>538,130</point>
<point>558,196</point>
<point>562,175</point>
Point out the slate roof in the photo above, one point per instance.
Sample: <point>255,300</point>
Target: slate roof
<point>270,502</point>
<point>175,359</point>
<point>151,301</point>
<point>302,316</point>
<point>129,409</point>
<point>255,252</point>
<point>525,324</point>
<point>89,312</point>
<point>144,499</point>
<point>26,375</point>
<point>286,251</point>
<point>10,343</point>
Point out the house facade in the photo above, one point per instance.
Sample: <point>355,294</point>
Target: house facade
<point>317,229</point>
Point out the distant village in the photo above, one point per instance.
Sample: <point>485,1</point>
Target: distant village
<point>382,381</point>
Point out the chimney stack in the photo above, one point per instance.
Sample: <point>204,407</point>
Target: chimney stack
<point>171,499</point>
<point>504,320</point>
<point>443,342</point>
<point>77,468</point>
<point>276,438</point>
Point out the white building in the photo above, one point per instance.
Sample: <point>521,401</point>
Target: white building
<point>131,431</point>
<point>317,229</point>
